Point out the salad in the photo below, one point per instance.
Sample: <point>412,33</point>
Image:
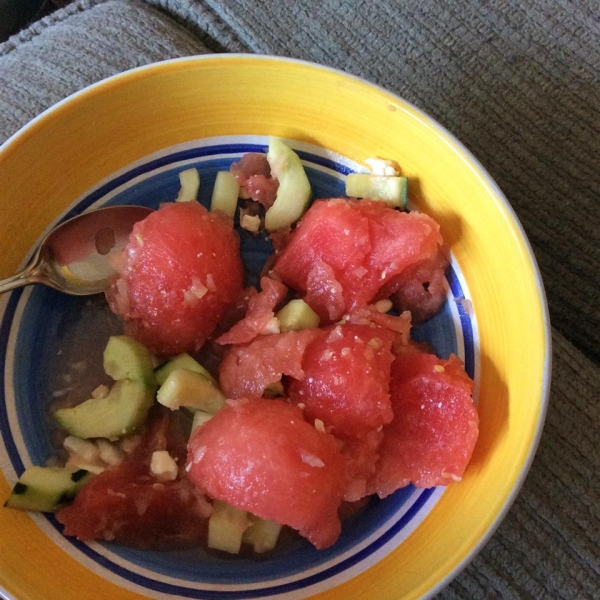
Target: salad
<point>236,412</point>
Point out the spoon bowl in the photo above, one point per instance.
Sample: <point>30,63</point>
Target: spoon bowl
<point>74,257</point>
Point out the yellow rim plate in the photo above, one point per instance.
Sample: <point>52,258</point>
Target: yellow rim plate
<point>71,147</point>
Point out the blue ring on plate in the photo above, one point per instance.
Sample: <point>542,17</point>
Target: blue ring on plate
<point>5,327</point>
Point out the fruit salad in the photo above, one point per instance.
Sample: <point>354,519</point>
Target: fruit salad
<point>238,411</point>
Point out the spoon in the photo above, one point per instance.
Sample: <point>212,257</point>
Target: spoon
<point>74,257</point>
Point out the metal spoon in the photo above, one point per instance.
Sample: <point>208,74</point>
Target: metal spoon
<point>73,257</point>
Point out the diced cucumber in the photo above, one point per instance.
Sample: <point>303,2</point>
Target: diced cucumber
<point>294,190</point>
<point>262,535</point>
<point>225,193</point>
<point>200,417</point>
<point>190,389</point>
<point>393,191</point>
<point>190,184</point>
<point>273,390</point>
<point>120,413</point>
<point>182,361</point>
<point>297,315</point>
<point>46,488</point>
<point>125,358</point>
<point>226,527</point>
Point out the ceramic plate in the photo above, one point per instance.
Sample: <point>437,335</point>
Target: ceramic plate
<point>124,141</point>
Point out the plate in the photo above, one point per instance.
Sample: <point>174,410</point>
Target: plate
<point>136,132</point>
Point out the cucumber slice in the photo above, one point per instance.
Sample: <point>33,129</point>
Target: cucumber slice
<point>124,358</point>
<point>192,390</point>
<point>273,390</point>
<point>120,413</point>
<point>200,417</point>
<point>225,193</point>
<point>46,488</point>
<point>262,535</point>
<point>294,190</point>
<point>393,191</point>
<point>297,315</point>
<point>226,527</point>
<point>182,361</point>
<point>190,184</point>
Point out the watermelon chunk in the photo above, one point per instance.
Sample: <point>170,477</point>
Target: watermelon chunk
<point>431,438</point>
<point>248,369</point>
<point>421,288</point>
<point>263,457</point>
<point>346,379</point>
<point>352,248</point>
<point>253,174</point>
<point>260,312</point>
<point>179,271</point>
<point>126,504</point>
<point>361,454</point>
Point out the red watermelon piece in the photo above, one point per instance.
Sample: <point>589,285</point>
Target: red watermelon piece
<point>431,438</point>
<point>260,312</point>
<point>253,175</point>
<point>352,248</point>
<point>346,379</point>
<point>263,457</point>
<point>421,288</point>
<point>361,454</point>
<point>179,272</point>
<point>248,369</point>
<point>126,504</point>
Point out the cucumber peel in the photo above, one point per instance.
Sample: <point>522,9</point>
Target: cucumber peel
<point>125,358</point>
<point>46,489</point>
<point>120,413</point>
<point>393,191</point>
<point>294,192</point>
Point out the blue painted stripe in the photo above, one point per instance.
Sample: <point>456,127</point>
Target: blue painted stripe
<point>7,437</point>
<point>465,322</point>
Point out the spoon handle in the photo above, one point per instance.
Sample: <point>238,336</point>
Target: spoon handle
<point>30,274</point>
<point>14,282</point>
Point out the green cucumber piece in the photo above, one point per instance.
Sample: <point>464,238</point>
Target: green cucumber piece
<point>120,413</point>
<point>190,184</point>
<point>293,195</point>
<point>190,389</point>
<point>393,191</point>
<point>274,390</point>
<point>182,361</point>
<point>125,358</point>
<point>297,315</point>
<point>200,417</point>
<point>46,489</point>
<point>226,527</point>
<point>262,535</point>
<point>225,194</point>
